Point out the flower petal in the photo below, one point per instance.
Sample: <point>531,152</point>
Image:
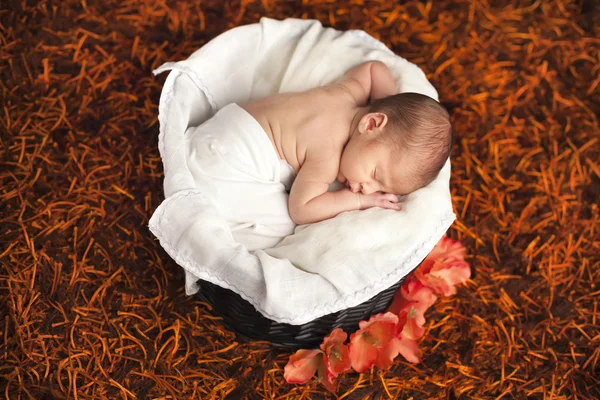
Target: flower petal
<point>337,357</point>
<point>444,267</point>
<point>381,317</point>
<point>302,366</point>
<point>337,335</point>
<point>452,248</point>
<point>387,354</point>
<point>417,292</point>
<point>326,378</point>
<point>397,302</point>
<point>409,349</point>
<point>381,333</point>
<point>371,343</point>
<point>362,353</point>
<point>455,271</point>
<point>412,321</point>
<point>380,328</point>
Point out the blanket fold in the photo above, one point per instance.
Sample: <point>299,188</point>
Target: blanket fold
<point>234,162</point>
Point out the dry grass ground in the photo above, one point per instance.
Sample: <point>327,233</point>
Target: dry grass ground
<point>93,308</point>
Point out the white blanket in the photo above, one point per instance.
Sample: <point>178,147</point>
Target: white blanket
<point>235,164</point>
<point>322,268</point>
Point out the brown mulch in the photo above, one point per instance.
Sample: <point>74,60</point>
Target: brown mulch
<point>93,308</point>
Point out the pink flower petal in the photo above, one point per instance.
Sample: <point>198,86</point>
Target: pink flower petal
<point>452,248</point>
<point>371,343</point>
<point>386,355</point>
<point>413,299</point>
<point>409,349</point>
<point>444,267</point>
<point>302,366</point>
<point>380,328</point>
<point>326,378</point>
<point>454,271</point>
<point>381,333</point>
<point>417,292</point>
<point>377,318</point>
<point>362,353</point>
<point>397,302</point>
<point>412,322</point>
<point>337,335</point>
<point>336,355</point>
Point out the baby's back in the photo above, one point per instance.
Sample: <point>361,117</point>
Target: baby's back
<point>318,119</point>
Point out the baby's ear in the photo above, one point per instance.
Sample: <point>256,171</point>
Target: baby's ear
<point>373,120</point>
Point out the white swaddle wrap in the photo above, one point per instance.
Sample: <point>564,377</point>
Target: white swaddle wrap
<point>321,268</point>
<point>231,157</point>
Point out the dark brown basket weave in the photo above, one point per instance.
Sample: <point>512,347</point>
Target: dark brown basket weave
<point>241,317</point>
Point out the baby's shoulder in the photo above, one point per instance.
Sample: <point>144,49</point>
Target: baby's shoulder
<point>340,92</point>
<point>333,94</point>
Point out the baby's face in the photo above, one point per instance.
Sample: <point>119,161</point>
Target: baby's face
<point>368,167</point>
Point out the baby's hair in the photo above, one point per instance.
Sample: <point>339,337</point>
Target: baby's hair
<point>419,123</point>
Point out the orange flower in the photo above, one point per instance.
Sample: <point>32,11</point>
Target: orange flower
<point>412,322</point>
<point>444,267</point>
<point>331,360</point>
<point>375,342</point>
<point>336,355</point>
<point>302,365</point>
<point>413,291</point>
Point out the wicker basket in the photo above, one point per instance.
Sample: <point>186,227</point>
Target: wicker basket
<point>199,84</point>
<point>242,318</point>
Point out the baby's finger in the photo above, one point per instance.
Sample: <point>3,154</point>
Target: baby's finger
<point>390,197</point>
<point>391,206</point>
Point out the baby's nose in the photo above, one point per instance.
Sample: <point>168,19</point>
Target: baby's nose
<point>366,189</point>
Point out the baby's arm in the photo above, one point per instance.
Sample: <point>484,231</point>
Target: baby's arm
<point>310,201</point>
<point>371,80</point>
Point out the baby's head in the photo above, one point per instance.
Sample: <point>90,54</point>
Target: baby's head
<point>399,145</point>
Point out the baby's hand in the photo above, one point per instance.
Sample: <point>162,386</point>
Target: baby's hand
<point>379,199</point>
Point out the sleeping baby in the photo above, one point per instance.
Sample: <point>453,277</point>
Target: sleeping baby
<point>360,132</point>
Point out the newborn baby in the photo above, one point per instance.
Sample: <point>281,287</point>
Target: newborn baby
<point>360,131</point>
